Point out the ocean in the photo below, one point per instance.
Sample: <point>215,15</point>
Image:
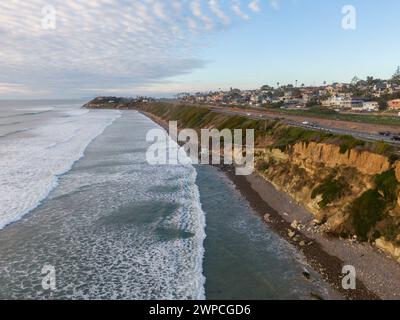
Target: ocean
<point>77,193</point>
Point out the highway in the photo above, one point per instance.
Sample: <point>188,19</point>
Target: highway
<point>314,125</point>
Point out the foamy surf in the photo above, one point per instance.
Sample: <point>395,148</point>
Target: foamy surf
<point>31,165</point>
<point>194,218</point>
<point>115,227</point>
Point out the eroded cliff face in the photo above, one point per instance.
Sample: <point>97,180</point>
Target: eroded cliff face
<point>397,170</point>
<point>309,155</point>
<point>299,170</point>
<point>350,186</point>
<point>341,177</point>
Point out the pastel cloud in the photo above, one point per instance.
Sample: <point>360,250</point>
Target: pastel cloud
<point>105,43</point>
<point>255,6</point>
<point>236,8</point>
<point>216,9</point>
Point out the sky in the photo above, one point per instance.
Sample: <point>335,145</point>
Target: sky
<point>85,48</point>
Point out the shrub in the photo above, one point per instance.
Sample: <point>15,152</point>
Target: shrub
<point>286,136</point>
<point>381,147</point>
<point>331,190</point>
<point>366,211</point>
<point>388,185</point>
<point>263,165</point>
<point>347,143</point>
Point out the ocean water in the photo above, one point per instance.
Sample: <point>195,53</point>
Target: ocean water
<point>38,144</point>
<point>77,193</point>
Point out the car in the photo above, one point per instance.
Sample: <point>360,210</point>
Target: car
<point>306,123</point>
<point>396,138</point>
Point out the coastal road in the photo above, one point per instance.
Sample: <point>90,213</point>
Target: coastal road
<point>314,124</point>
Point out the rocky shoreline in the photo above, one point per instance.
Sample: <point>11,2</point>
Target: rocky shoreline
<point>328,266</point>
<point>326,255</point>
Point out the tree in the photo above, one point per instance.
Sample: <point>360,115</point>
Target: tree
<point>396,75</point>
<point>265,88</point>
<point>354,81</point>
<point>370,81</point>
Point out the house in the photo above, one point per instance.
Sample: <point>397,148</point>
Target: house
<point>379,89</point>
<point>306,97</point>
<point>370,106</point>
<point>352,103</point>
<point>394,104</point>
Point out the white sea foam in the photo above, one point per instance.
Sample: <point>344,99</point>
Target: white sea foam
<point>30,166</point>
<point>91,216</point>
<point>200,222</point>
<point>79,112</point>
<point>38,109</point>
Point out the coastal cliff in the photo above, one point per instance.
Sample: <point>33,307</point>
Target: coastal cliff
<point>350,186</point>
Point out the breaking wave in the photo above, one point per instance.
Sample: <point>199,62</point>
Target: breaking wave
<point>31,165</point>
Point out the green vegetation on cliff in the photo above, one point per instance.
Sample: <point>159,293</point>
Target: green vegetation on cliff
<point>283,136</point>
<point>286,136</point>
<point>366,211</point>
<point>331,189</point>
<point>369,215</point>
<point>372,206</point>
<point>387,184</point>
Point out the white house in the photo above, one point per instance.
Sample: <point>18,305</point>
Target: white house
<point>371,106</point>
<point>334,101</point>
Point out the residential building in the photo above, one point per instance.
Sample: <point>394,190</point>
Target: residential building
<point>370,106</point>
<point>352,103</point>
<point>394,104</point>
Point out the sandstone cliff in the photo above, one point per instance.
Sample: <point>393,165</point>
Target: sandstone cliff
<point>351,186</point>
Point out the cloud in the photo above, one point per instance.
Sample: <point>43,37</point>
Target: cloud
<point>14,88</point>
<point>103,43</point>
<point>237,9</point>
<point>215,8</point>
<point>195,6</point>
<point>255,6</point>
